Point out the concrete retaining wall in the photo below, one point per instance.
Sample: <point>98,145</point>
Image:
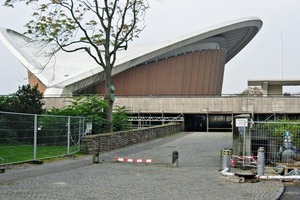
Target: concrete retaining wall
<point>109,141</point>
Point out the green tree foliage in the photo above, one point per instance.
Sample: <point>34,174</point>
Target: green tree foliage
<point>6,132</point>
<point>100,28</point>
<point>4,103</point>
<point>278,128</point>
<point>120,119</point>
<point>93,106</point>
<point>27,99</point>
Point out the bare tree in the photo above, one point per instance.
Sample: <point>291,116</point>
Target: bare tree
<point>100,28</point>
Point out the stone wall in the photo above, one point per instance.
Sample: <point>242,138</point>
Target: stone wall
<point>115,140</point>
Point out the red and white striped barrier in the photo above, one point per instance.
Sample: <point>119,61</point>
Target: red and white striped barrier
<point>133,160</point>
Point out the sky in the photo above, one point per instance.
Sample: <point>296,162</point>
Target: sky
<point>169,19</point>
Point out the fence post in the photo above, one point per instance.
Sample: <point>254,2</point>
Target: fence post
<point>80,130</point>
<point>35,137</point>
<point>69,133</point>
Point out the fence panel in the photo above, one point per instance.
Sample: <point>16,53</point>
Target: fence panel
<point>281,142</point>
<point>27,137</point>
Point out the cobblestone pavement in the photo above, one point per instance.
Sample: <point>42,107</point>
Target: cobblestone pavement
<point>197,177</point>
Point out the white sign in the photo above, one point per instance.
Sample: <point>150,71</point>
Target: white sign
<point>89,127</point>
<point>242,122</point>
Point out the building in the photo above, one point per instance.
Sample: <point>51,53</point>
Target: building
<point>188,66</point>
<point>273,87</point>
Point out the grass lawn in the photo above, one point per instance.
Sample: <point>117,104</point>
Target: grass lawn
<point>20,153</point>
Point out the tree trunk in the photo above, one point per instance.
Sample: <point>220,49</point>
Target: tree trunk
<point>108,99</point>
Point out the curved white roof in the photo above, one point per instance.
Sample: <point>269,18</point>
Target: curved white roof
<point>68,72</point>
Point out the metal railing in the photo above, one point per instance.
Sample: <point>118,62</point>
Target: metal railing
<point>30,137</point>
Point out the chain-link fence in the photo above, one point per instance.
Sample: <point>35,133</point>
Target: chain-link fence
<point>280,141</point>
<point>28,137</point>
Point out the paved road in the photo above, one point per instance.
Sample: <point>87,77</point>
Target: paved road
<point>291,191</point>
<point>197,176</point>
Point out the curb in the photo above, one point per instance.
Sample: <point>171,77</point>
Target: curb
<point>280,192</point>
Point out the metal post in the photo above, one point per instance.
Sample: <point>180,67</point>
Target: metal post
<point>244,146</point>
<point>69,133</point>
<point>207,122</point>
<point>35,137</point>
<point>80,131</point>
<point>260,161</point>
<point>139,121</point>
<point>225,159</point>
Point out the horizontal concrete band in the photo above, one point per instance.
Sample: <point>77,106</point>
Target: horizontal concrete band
<point>276,104</point>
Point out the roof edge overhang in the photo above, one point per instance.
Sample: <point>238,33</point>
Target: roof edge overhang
<point>282,82</point>
<point>254,24</point>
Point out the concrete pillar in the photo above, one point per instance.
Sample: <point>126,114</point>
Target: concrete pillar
<point>95,156</point>
<point>260,161</point>
<point>175,157</point>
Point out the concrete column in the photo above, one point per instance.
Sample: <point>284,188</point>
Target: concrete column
<point>175,157</point>
<point>260,161</point>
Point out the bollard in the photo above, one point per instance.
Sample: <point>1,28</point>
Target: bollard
<point>95,156</point>
<point>225,159</point>
<point>175,158</point>
<point>2,169</point>
<point>260,161</point>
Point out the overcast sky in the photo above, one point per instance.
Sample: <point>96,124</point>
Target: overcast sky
<point>168,19</point>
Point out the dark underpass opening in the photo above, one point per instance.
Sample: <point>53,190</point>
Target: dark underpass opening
<point>207,123</point>
<point>195,123</point>
<point>192,122</point>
